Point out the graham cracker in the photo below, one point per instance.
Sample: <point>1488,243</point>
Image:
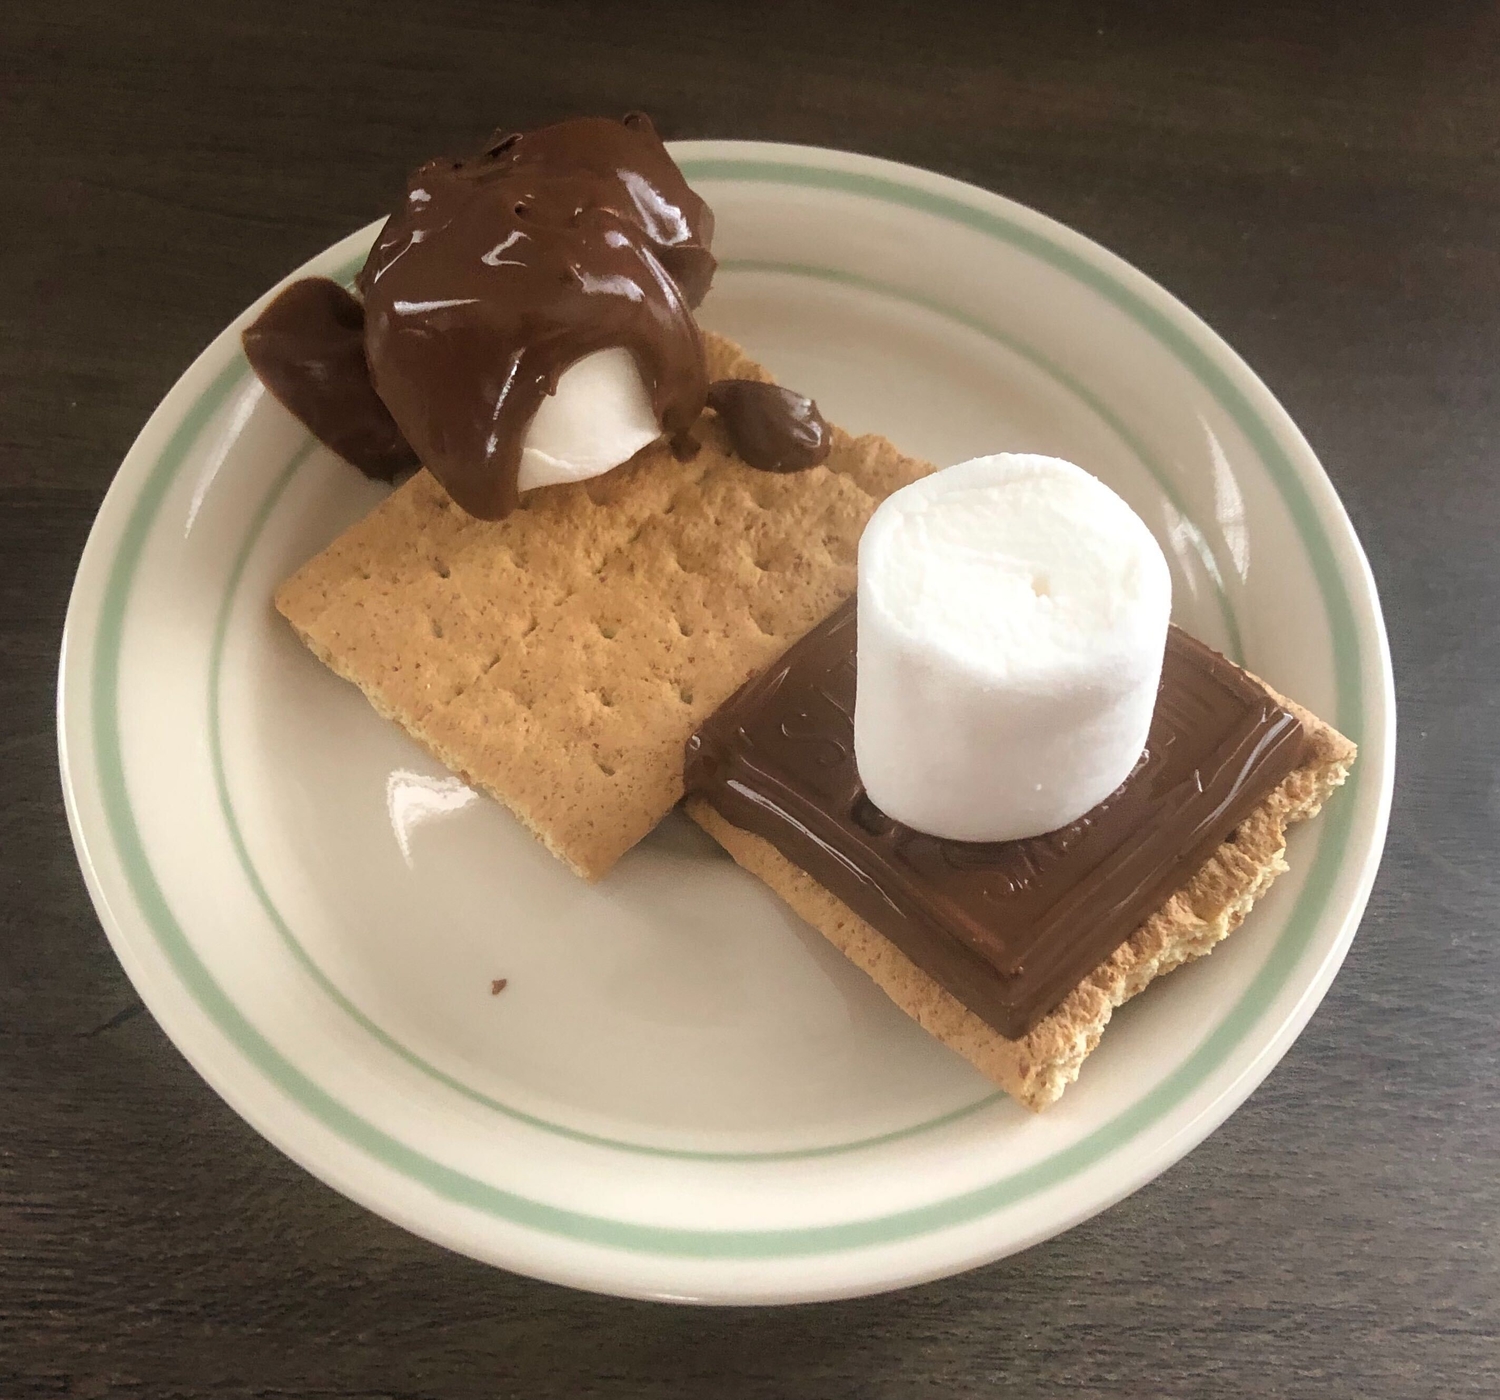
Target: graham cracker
<point>559,659</point>
<point>1038,1067</point>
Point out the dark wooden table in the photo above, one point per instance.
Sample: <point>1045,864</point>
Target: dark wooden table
<point>1321,183</point>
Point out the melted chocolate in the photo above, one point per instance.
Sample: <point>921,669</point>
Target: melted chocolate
<point>1009,928</point>
<point>308,348</point>
<point>773,429</point>
<point>499,272</point>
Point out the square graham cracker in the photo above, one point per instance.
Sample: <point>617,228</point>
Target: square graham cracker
<point>1037,1068</point>
<point>559,659</point>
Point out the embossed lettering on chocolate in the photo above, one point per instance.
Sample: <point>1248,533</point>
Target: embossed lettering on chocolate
<point>1011,927</point>
<point>498,272</point>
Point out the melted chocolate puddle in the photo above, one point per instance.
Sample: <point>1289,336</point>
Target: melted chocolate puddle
<point>494,276</point>
<point>499,272</point>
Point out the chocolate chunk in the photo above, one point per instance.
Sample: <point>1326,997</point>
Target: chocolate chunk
<point>308,349</point>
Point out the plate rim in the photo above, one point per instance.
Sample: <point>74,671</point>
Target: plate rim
<point>861,174</point>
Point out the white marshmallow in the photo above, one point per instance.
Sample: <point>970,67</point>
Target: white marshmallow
<point>1012,617</point>
<point>599,416</point>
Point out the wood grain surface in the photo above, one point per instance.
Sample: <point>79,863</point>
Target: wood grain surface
<point>1320,182</point>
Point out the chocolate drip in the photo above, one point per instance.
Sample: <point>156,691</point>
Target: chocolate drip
<point>773,429</point>
<point>499,272</point>
<point>1009,928</point>
<point>308,348</point>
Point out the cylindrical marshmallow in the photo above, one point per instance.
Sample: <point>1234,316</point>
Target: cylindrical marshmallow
<point>1012,618</point>
<point>599,416</point>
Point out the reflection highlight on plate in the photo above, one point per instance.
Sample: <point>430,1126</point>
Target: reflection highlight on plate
<point>412,799</point>
<point>244,406</point>
<point>1229,506</point>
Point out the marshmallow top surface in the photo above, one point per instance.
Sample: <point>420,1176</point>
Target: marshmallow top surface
<point>599,416</point>
<point>1025,569</point>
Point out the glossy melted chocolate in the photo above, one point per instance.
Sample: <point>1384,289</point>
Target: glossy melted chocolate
<point>499,272</point>
<point>1009,928</point>
<point>308,348</point>
<point>773,429</point>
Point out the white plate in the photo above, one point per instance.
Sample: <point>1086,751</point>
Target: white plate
<point>683,1092</point>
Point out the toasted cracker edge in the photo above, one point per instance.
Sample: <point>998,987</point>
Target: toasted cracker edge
<point>1037,1068</point>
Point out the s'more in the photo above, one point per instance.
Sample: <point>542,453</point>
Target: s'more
<point>944,715</point>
